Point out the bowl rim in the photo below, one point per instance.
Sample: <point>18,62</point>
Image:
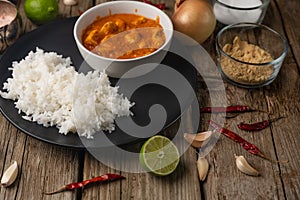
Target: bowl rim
<point>90,10</point>
<point>264,4</point>
<point>255,25</point>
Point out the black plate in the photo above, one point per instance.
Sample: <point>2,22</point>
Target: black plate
<point>58,36</point>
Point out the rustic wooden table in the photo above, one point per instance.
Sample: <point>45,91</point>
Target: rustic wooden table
<point>45,167</point>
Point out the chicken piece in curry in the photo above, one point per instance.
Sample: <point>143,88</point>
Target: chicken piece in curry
<point>123,36</point>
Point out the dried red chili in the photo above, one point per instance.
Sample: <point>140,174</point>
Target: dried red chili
<point>257,126</point>
<point>251,148</point>
<point>228,109</point>
<point>98,179</point>
<point>161,6</point>
<point>80,12</point>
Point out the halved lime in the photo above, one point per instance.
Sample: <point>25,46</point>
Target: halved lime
<point>159,155</point>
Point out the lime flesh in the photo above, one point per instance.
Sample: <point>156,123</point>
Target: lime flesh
<point>159,155</point>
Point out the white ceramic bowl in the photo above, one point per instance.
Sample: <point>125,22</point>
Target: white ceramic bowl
<point>125,68</point>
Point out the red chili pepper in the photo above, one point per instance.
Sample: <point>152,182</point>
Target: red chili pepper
<point>80,12</point>
<point>158,5</point>
<point>251,148</point>
<point>228,109</point>
<point>98,179</point>
<point>257,126</point>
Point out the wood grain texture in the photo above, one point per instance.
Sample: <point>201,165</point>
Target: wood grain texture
<point>270,185</point>
<point>45,167</point>
<point>284,98</point>
<point>12,149</point>
<point>288,12</point>
<point>141,185</point>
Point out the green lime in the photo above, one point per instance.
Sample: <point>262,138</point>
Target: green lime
<point>159,155</point>
<point>41,11</point>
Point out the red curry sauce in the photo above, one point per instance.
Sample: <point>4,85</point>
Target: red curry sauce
<point>123,36</point>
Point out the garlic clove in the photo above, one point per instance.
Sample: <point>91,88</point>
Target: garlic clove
<point>70,2</point>
<point>245,167</point>
<point>10,175</point>
<point>196,140</point>
<point>202,166</point>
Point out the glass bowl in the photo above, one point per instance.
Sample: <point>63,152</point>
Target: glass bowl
<point>233,11</point>
<point>250,55</point>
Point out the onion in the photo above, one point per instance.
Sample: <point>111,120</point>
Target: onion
<point>194,18</point>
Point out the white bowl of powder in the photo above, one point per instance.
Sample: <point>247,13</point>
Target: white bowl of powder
<point>233,11</point>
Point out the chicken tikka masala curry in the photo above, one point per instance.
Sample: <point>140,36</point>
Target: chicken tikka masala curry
<point>123,36</point>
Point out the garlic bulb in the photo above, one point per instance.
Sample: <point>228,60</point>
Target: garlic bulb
<point>10,175</point>
<point>245,167</point>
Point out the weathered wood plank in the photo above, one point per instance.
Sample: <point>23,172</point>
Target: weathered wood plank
<point>223,174</point>
<point>27,25</point>
<point>43,167</point>
<point>284,98</point>
<point>288,11</point>
<point>46,167</point>
<point>12,149</point>
<point>93,168</point>
<point>221,183</point>
<point>176,185</point>
<point>72,11</point>
<point>145,185</point>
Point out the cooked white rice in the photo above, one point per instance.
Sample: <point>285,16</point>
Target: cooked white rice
<point>48,90</point>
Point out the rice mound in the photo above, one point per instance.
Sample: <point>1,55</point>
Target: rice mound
<point>48,90</point>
